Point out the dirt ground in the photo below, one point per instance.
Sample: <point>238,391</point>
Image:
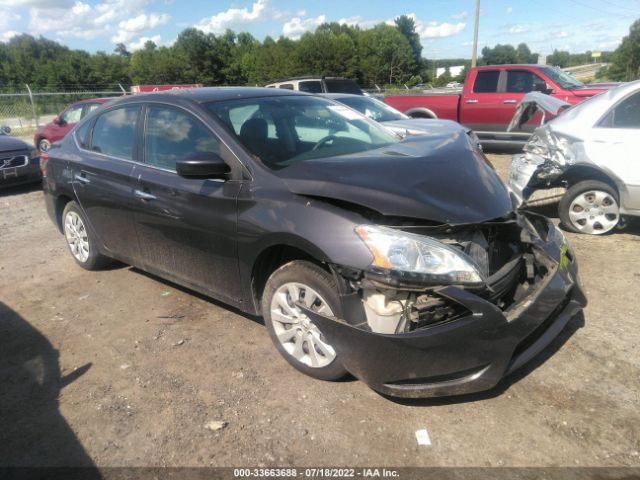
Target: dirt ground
<point>118,368</point>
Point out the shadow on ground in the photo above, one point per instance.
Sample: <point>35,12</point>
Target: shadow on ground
<point>33,433</point>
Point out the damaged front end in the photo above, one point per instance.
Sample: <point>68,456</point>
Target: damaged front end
<point>452,309</point>
<point>539,169</point>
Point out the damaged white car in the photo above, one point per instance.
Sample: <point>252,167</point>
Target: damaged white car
<point>588,157</point>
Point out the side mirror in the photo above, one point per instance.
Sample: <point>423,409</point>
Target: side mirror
<point>202,165</point>
<point>58,121</point>
<point>5,130</point>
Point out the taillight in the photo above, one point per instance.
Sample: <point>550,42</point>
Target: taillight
<point>44,159</point>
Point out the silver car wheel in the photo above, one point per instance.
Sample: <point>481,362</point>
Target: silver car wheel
<point>594,212</point>
<point>297,334</point>
<point>77,237</point>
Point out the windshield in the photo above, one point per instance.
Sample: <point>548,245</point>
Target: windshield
<point>283,130</point>
<point>372,108</point>
<point>561,78</point>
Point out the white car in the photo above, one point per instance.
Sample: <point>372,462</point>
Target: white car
<point>589,151</point>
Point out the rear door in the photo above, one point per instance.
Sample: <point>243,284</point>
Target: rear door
<point>478,107</point>
<point>186,227</point>
<point>102,179</point>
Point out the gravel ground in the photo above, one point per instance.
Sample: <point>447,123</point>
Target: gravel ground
<point>118,368</point>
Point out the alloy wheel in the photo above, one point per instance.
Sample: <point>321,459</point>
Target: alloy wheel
<point>77,236</point>
<point>294,330</point>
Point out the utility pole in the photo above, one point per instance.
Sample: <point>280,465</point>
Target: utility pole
<point>474,55</point>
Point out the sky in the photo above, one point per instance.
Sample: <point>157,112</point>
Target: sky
<point>445,26</point>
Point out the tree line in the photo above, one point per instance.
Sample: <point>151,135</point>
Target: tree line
<point>381,55</point>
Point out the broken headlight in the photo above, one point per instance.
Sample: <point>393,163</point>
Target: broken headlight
<point>407,252</point>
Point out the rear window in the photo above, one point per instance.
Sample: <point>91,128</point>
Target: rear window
<point>486,81</point>
<point>287,86</point>
<point>342,86</point>
<point>310,86</point>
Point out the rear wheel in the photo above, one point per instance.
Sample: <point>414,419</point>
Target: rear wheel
<point>590,207</point>
<point>297,339</point>
<point>80,239</point>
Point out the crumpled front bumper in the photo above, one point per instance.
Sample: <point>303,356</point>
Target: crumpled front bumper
<point>470,354</point>
<point>528,182</point>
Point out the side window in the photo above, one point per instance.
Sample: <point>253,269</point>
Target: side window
<point>82,135</point>
<point>171,135</point>
<point>287,86</point>
<point>522,81</point>
<point>88,108</point>
<point>310,86</point>
<point>486,81</point>
<point>115,131</point>
<point>72,115</point>
<point>624,115</point>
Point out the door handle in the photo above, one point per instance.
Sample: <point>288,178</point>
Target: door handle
<point>471,101</point>
<point>80,177</point>
<point>144,195</point>
<point>509,101</point>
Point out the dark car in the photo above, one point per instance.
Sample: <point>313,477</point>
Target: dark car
<point>401,262</point>
<point>63,123</point>
<point>19,161</point>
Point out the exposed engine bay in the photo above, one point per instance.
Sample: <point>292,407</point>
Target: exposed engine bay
<point>503,252</point>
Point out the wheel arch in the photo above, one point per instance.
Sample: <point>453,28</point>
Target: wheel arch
<point>276,254</point>
<point>60,203</point>
<point>421,112</point>
<point>580,173</point>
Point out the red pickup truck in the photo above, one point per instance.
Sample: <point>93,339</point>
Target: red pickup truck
<point>490,96</point>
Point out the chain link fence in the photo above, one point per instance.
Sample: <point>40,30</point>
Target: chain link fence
<point>25,109</point>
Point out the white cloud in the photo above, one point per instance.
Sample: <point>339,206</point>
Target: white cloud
<point>439,30</point>
<point>235,17</point>
<point>509,10</point>
<point>519,28</point>
<point>562,34</point>
<point>138,44</point>
<point>128,29</point>
<point>36,3</point>
<point>460,16</point>
<point>295,27</point>
<point>7,35</point>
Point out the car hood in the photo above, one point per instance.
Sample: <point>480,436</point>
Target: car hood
<point>591,90</point>
<point>421,126</point>
<point>533,102</point>
<point>439,178</point>
<point>8,144</point>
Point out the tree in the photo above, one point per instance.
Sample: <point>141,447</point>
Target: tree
<point>121,49</point>
<point>386,55</point>
<point>626,58</point>
<point>524,54</point>
<point>499,55</point>
<point>407,27</point>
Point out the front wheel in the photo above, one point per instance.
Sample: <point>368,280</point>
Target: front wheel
<point>297,339</point>
<point>590,207</point>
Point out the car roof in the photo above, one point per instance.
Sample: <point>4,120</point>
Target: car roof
<point>211,94</point>
<point>94,100</point>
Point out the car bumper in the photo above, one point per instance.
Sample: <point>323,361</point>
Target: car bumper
<point>470,354</point>
<point>29,173</point>
<point>520,174</point>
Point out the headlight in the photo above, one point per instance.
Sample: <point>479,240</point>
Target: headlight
<point>406,252</point>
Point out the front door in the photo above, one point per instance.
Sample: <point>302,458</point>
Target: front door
<point>186,227</point>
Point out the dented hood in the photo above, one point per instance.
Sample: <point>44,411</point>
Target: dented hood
<point>438,178</point>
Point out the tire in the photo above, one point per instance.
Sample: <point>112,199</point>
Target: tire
<point>590,207</point>
<point>302,344</point>
<point>81,240</point>
<point>44,145</point>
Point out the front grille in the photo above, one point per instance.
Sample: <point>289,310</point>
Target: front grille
<point>15,161</point>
